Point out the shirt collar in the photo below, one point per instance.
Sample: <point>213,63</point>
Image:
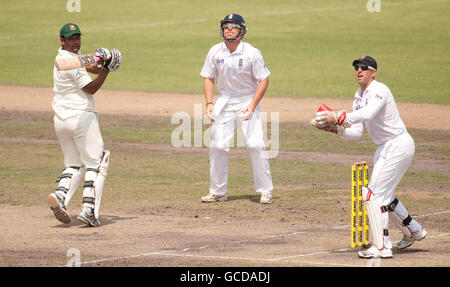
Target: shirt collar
<point>62,52</point>
<point>239,49</point>
<point>371,85</point>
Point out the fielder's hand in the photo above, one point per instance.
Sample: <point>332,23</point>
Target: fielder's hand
<point>325,116</point>
<point>114,62</point>
<point>328,128</point>
<point>247,114</point>
<point>210,111</point>
<point>331,117</point>
<point>322,121</point>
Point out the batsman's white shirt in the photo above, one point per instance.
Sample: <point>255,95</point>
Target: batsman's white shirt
<point>377,111</point>
<point>75,120</point>
<point>237,75</point>
<point>69,99</point>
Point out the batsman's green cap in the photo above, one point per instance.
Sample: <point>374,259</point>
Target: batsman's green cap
<point>69,29</point>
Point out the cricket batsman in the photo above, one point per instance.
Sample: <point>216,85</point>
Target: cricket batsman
<point>374,109</point>
<point>77,129</point>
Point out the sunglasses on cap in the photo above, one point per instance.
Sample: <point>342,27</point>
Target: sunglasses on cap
<point>231,25</point>
<point>363,67</point>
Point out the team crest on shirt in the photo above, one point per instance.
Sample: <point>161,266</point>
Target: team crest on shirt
<point>357,102</point>
<point>241,63</point>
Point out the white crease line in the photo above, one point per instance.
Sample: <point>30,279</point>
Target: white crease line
<point>124,257</point>
<point>254,259</point>
<point>314,253</point>
<point>282,235</point>
<point>415,216</point>
<point>438,235</point>
<point>341,227</point>
<point>432,214</point>
<point>264,237</point>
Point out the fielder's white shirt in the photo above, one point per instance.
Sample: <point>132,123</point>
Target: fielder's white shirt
<point>237,73</point>
<point>69,100</point>
<point>375,110</point>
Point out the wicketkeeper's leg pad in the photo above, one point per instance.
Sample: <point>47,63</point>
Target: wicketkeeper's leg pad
<point>401,218</point>
<point>374,212</point>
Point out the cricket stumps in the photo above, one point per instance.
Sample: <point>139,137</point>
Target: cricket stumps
<point>359,220</point>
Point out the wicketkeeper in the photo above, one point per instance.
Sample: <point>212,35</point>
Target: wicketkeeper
<point>77,129</point>
<point>374,108</point>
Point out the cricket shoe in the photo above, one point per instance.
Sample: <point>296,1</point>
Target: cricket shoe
<point>56,204</point>
<point>214,198</point>
<point>266,198</point>
<point>87,217</point>
<point>408,241</point>
<point>374,252</point>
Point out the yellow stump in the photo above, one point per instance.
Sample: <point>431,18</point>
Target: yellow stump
<point>366,217</point>
<point>354,192</point>
<point>359,218</point>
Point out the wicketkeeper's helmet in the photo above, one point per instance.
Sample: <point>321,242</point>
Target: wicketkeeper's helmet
<point>234,18</point>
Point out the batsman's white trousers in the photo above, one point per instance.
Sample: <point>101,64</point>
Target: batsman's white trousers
<point>222,132</point>
<point>80,140</point>
<point>392,160</point>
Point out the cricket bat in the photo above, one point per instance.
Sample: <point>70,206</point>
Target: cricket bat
<point>76,62</point>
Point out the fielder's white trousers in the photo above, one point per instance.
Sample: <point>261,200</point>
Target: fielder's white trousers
<point>222,132</point>
<point>392,160</point>
<point>80,140</point>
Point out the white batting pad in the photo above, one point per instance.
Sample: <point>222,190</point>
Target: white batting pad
<point>73,182</point>
<point>100,181</point>
<point>375,219</point>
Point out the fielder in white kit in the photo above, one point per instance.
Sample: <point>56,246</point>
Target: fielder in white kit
<point>77,129</point>
<point>242,79</point>
<point>374,108</point>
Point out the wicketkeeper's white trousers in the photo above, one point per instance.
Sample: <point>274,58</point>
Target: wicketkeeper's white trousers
<point>392,160</point>
<point>222,132</point>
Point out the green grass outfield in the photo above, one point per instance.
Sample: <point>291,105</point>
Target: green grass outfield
<point>307,45</point>
<point>146,173</point>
